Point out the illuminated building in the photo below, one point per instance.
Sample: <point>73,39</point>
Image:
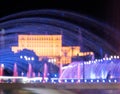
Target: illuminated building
<point>49,46</point>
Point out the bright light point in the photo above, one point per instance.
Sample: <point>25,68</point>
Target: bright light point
<point>59,81</point>
<point>21,57</point>
<point>115,57</point>
<point>32,58</point>
<point>72,80</point>
<point>25,56</point>
<point>115,81</point>
<point>101,60</point>
<point>2,65</point>
<point>85,63</point>
<point>52,81</point>
<point>46,80</point>
<point>118,57</point>
<point>49,60</point>
<point>103,81</point>
<point>111,56</point>
<point>98,81</point>
<point>91,81</point>
<point>54,60</point>
<point>28,58</point>
<point>65,81</point>
<point>78,80</point>
<point>96,60</point>
<point>109,81</point>
<point>107,59</point>
<point>85,80</point>
<point>55,75</point>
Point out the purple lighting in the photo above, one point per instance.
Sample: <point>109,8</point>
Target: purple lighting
<point>98,70</point>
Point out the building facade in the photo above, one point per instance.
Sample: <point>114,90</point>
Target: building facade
<point>49,46</point>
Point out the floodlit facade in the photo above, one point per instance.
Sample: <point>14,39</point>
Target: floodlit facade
<point>49,46</point>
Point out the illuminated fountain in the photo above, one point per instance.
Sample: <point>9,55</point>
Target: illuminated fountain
<point>15,72</point>
<point>1,69</point>
<point>97,69</point>
<point>29,73</point>
<point>83,32</point>
<point>45,72</point>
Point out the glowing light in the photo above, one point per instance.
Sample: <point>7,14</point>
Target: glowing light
<point>32,58</point>
<point>78,81</point>
<point>55,75</point>
<point>85,80</point>
<point>72,80</point>
<point>28,58</point>
<point>109,81</point>
<point>111,57</point>
<point>21,57</point>
<point>115,57</point>
<point>91,80</point>
<point>65,80</point>
<point>46,80</point>
<point>103,81</point>
<point>107,59</point>
<point>98,81</point>
<point>2,65</point>
<point>103,58</point>
<point>52,81</point>
<point>115,81</point>
<point>59,81</point>
<point>118,57</point>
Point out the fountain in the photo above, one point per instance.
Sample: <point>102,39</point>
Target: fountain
<point>82,32</point>
<point>97,69</point>
<point>44,72</point>
<point>15,72</point>
<point>60,69</point>
<point>38,74</point>
<point>1,69</point>
<point>29,73</point>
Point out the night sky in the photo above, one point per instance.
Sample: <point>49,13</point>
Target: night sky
<point>107,11</point>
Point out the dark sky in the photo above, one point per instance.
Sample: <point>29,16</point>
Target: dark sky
<point>107,11</point>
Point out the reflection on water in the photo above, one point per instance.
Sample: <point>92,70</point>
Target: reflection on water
<point>59,91</point>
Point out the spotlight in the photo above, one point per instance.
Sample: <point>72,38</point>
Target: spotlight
<point>40,80</point>
<point>103,81</point>
<point>103,58</point>
<point>79,81</point>
<point>91,81</point>
<point>111,56</point>
<point>85,80</point>
<point>109,81</point>
<point>115,81</point>
<point>98,81</point>
<point>65,81</point>
<point>21,57</point>
<point>52,81</point>
<point>59,81</point>
<point>118,57</point>
<point>46,80</point>
<point>114,57</point>
<point>72,80</point>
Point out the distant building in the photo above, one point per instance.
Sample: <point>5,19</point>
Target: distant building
<point>49,46</point>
